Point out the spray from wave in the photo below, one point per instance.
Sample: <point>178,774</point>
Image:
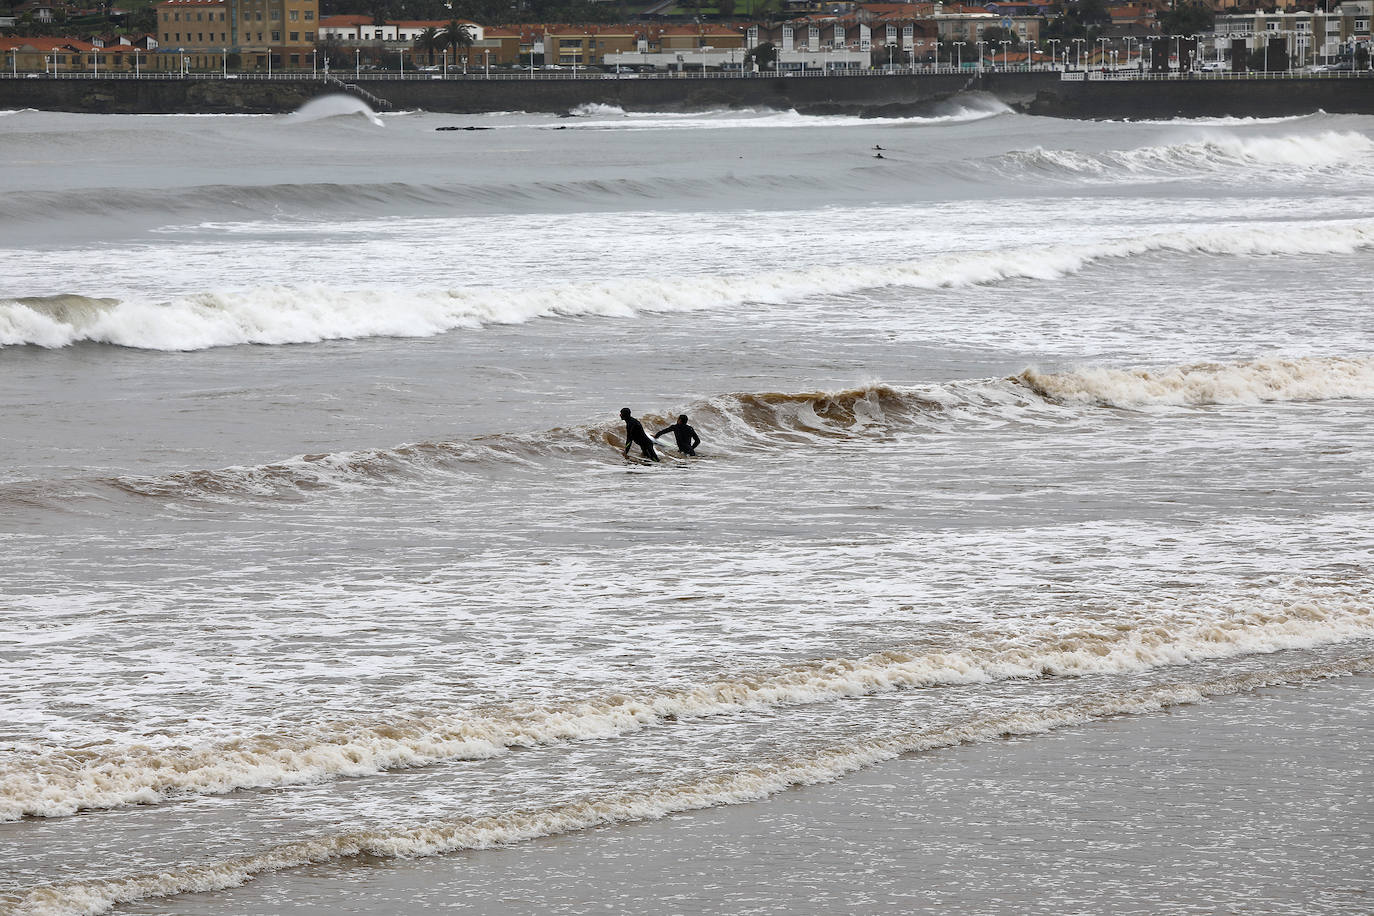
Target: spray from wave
<point>56,782</point>
<point>305,314</point>
<point>735,786</point>
<point>333,106</point>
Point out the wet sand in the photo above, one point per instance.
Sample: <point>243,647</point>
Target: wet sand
<point>1258,803</point>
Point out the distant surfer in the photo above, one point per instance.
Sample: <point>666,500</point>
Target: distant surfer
<point>687,438</point>
<point>877,147</point>
<point>635,435</point>
<point>877,155</point>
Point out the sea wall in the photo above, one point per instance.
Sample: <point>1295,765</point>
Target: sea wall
<point>1203,97</point>
<point>894,95</point>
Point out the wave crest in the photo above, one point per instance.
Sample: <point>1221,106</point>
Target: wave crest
<point>1309,379</point>
<point>306,314</point>
<point>1299,155</point>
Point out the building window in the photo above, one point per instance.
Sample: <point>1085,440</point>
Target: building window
<point>276,36</point>
<point>309,15</point>
<point>309,36</point>
<point>295,36</point>
<point>293,15</point>
<point>1362,25</point>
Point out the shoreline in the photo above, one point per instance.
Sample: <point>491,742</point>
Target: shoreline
<point>1248,802</point>
<point>1045,93</point>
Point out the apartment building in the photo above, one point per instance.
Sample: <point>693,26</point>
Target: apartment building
<point>70,55</point>
<point>261,34</point>
<point>1309,37</point>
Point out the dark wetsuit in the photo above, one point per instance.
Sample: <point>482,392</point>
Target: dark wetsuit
<point>687,438</point>
<point>635,435</point>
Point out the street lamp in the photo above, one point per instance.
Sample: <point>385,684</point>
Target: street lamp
<point>958,54</point>
<point>980,54</point>
<point>357,63</point>
<point>402,55</point>
<point>486,61</point>
<point>1078,44</point>
<point>1102,57</point>
<point>224,62</point>
<point>443,57</point>
<point>1054,52</point>
<point>1005,44</point>
<point>314,65</point>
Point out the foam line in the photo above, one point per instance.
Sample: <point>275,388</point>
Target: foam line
<point>305,314</point>
<point>57,782</point>
<point>751,783</point>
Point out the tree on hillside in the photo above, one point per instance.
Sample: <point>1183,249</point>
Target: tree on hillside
<point>996,35</point>
<point>1187,19</point>
<point>144,21</point>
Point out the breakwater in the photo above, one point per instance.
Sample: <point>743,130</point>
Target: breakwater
<point>1041,93</point>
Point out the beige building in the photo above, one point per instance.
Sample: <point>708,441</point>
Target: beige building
<point>261,34</point>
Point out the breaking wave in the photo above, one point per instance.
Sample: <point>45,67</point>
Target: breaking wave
<point>741,423</point>
<point>1298,156</point>
<point>1276,379</point>
<point>599,116</point>
<point>58,782</point>
<point>338,105</point>
<point>306,314</point>
<point>733,786</point>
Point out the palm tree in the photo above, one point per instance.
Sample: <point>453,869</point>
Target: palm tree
<point>458,35</point>
<point>430,40</point>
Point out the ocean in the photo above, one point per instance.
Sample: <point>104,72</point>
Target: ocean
<point>1025,565</point>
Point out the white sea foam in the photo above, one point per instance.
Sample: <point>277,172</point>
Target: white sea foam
<point>1293,155</point>
<point>333,106</point>
<point>57,782</point>
<point>1276,379</point>
<point>734,786</point>
<point>596,109</point>
<point>619,119</point>
<point>303,314</point>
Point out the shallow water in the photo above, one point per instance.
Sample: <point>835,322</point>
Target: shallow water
<point>311,470</point>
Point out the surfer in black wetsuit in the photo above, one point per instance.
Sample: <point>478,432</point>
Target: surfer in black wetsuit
<point>687,438</point>
<point>635,435</point>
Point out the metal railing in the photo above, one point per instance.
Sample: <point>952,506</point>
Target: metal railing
<point>338,77</point>
<point>1208,75</point>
